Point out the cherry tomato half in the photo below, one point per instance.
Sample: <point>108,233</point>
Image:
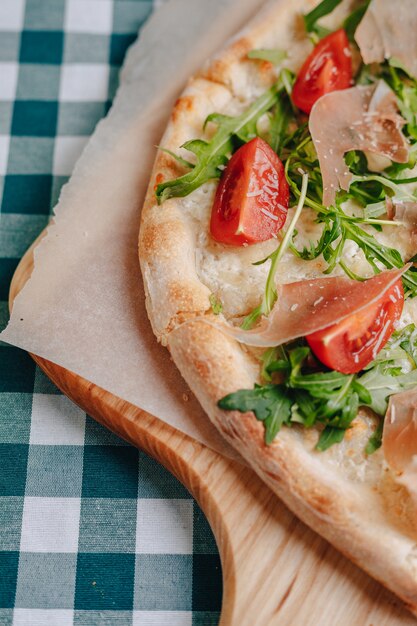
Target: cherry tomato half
<point>252,198</point>
<point>353,343</point>
<point>327,68</point>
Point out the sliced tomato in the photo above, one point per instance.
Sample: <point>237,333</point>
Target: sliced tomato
<point>252,198</point>
<point>353,343</point>
<point>327,68</point>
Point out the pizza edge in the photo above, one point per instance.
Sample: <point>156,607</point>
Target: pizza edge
<point>214,365</point>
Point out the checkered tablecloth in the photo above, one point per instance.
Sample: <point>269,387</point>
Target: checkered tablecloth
<point>92,531</point>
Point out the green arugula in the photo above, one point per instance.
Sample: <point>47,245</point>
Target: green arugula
<point>338,227</point>
<point>270,405</point>
<point>375,441</point>
<point>382,385</point>
<point>269,361</point>
<point>276,57</point>
<point>329,436</point>
<point>367,190</point>
<point>214,155</point>
<point>324,8</point>
<point>179,159</point>
<point>309,397</point>
<point>270,293</point>
<point>294,390</point>
<point>353,19</point>
<point>405,340</point>
<point>281,116</point>
<point>216,305</point>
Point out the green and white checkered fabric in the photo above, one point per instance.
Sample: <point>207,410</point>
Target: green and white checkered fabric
<point>92,531</point>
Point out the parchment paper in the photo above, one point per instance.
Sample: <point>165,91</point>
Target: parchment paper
<point>83,307</point>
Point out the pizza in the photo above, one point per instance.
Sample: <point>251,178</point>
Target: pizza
<point>277,246</point>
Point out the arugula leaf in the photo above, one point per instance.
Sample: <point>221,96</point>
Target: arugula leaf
<point>270,404</point>
<point>382,384</point>
<point>356,162</point>
<point>216,305</point>
<point>306,409</point>
<point>324,8</point>
<point>364,396</point>
<point>179,159</point>
<point>331,232</point>
<point>281,365</point>
<point>308,397</point>
<point>297,357</point>
<point>321,385</point>
<point>273,56</point>
<point>400,349</point>
<point>399,356</point>
<point>270,293</point>
<point>375,441</point>
<point>327,397</point>
<point>375,251</point>
<point>389,183</point>
<point>329,436</point>
<point>273,360</point>
<point>279,416</point>
<point>353,20</point>
<point>340,227</point>
<point>376,209</point>
<point>281,116</point>
<point>407,340</point>
<point>347,411</point>
<point>214,154</point>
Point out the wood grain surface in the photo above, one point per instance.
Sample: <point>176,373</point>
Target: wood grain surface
<point>276,571</point>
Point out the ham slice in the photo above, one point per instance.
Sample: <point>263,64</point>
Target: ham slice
<point>399,438</point>
<point>306,306</point>
<point>360,118</point>
<point>388,30</point>
<point>405,212</point>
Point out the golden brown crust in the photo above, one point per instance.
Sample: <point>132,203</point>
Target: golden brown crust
<point>350,515</point>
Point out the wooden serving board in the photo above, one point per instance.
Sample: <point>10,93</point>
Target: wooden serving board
<point>276,571</point>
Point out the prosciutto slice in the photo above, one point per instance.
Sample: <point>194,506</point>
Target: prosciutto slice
<point>360,118</point>
<point>388,30</point>
<point>405,212</point>
<point>399,438</point>
<point>306,306</point>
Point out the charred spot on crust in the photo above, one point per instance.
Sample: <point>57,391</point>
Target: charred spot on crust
<point>220,68</point>
<point>203,368</point>
<point>265,67</point>
<point>322,504</point>
<point>184,104</point>
<point>241,47</point>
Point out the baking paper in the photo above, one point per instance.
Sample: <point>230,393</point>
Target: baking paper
<point>83,307</point>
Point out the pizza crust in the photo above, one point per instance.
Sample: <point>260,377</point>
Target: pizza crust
<point>352,516</point>
<point>346,498</point>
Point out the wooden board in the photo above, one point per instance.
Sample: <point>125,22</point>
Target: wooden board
<point>276,571</point>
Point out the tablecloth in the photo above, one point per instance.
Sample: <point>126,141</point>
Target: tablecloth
<point>92,530</point>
